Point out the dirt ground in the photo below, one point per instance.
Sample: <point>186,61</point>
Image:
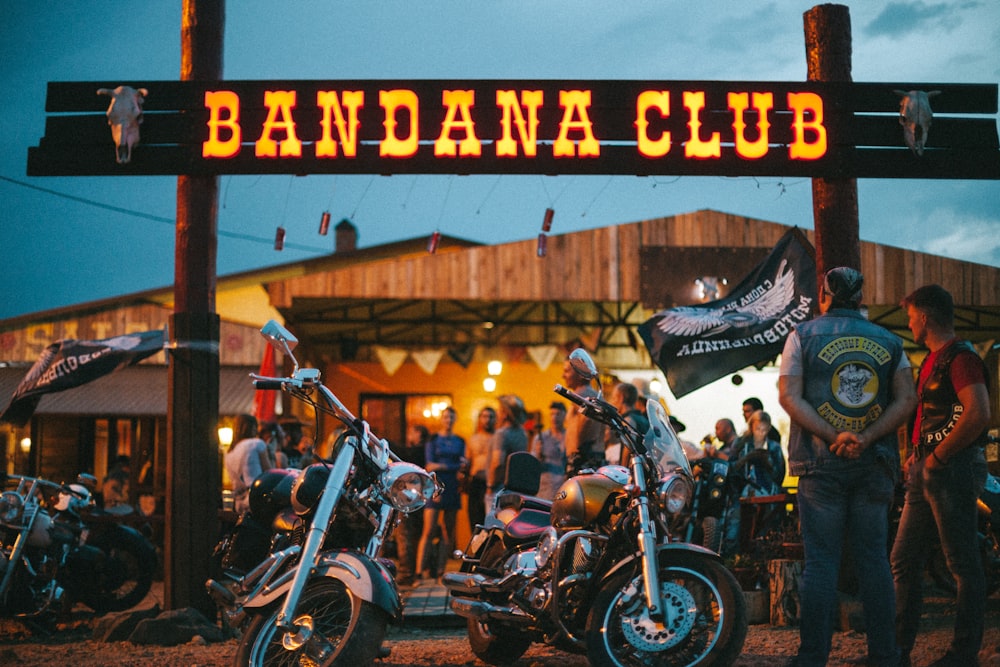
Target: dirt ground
<point>766,646</point>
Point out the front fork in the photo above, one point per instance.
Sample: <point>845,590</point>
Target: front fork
<point>315,537</point>
<point>647,543</point>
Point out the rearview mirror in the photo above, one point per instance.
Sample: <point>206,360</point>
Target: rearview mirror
<point>281,339</point>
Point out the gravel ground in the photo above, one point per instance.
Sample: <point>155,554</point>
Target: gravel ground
<point>765,646</point>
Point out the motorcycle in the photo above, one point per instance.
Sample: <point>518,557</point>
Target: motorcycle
<point>600,569</point>
<point>305,583</point>
<point>54,553</point>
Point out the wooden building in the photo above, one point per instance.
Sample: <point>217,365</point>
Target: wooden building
<point>398,330</point>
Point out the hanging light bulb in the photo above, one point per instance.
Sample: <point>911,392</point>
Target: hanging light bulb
<point>547,222</point>
<point>494,367</point>
<point>279,238</point>
<point>432,244</point>
<point>324,223</point>
<point>489,385</point>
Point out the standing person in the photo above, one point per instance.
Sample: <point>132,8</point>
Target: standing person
<point>444,453</point>
<point>478,453</point>
<point>945,474</point>
<point>411,526</point>
<point>847,387</point>
<point>752,405</point>
<point>549,447</point>
<point>624,397</point>
<point>293,437</point>
<point>246,459</point>
<point>271,433</point>
<point>584,436</point>
<point>510,437</point>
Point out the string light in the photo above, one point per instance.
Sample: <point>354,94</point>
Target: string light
<point>324,223</point>
<point>279,238</point>
<point>542,245</point>
<point>547,222</point>
<point>432,244</point>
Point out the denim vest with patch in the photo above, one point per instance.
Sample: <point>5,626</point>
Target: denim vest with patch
<point>848,366</point>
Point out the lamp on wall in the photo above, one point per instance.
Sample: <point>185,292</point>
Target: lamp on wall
<point>225,437</point>
<point>25,445</point>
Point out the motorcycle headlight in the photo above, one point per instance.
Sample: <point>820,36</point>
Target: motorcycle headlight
<point>406,486</point>
<point>673,493</point>
<point>11,506</point>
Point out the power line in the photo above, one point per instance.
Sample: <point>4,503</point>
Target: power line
<point>154,218</point>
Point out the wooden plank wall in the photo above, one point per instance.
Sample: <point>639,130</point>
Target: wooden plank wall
<point>603,265</point>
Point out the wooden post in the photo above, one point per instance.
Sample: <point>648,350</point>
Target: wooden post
<point>193,475</point>
<point>835,200</point>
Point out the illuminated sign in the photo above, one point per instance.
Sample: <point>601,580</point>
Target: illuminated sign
<point>547,127</point>
<point>576,136</point>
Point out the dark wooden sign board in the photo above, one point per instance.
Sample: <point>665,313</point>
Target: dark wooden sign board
<point>865,139</point>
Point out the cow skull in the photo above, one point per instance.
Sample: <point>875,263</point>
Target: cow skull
<point>124,115</point>
<point>915,116</point>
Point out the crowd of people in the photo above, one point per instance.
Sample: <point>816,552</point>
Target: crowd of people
<point>847,387</point>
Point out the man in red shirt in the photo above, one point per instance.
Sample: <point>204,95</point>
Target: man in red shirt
<point>945,475</point>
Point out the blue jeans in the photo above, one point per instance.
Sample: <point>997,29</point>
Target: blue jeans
<point>942,504</point>
<point>836,502</point>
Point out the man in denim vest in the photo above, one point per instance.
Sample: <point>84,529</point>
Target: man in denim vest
<point>847,387</point>
<point>945,475</point>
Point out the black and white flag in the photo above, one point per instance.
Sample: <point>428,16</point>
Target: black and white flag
<point>70,363</point>
<point>696,345</point>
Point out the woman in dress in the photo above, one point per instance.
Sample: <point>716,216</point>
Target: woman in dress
<point>445,454</point>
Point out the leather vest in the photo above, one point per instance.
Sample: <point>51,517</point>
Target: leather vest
<point>848,367</point>
<point>940,407</point>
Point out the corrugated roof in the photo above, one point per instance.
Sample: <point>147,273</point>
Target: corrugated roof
<point>135,391</point>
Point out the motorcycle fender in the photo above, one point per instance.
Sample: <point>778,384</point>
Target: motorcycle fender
<point>366,578</point>
<point>631,561</point>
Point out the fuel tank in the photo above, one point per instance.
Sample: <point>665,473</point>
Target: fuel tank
<point>584,499</point>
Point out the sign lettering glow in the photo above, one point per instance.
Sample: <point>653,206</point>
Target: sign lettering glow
<point>513,131</point>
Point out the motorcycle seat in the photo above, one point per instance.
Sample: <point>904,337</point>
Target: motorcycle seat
<point>526,526</point>
<point>519,501</point>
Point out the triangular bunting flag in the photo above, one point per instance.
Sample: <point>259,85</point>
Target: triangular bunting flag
<point>391,358</point>
<point>542,355</point>
<point>427,359</point>
<point>462,355</point>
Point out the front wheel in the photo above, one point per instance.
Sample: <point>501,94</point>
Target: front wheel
<point>339,629</point>
<point>704,621</point>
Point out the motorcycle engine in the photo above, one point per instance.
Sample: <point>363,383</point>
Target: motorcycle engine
<point>583,500</point>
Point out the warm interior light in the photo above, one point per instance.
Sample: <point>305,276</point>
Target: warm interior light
<point>494,368</point>
<point>225,436</point>
<point>655,387</point>
<point>489,385</point>
<point>25,445</point>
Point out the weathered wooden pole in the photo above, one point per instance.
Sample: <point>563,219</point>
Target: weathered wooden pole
<point>193,475</point>
<point>835,200</point>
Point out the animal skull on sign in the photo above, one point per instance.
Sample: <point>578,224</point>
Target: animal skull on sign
<point>124,115</point>
<point>915,116</point>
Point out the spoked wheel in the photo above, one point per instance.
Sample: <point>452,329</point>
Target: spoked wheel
<point>336,628</point>
<point>126,573</point>
<point>704,620</point>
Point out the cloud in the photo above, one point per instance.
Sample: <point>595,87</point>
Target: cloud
<point>900,19</point>
<point>969,238</point>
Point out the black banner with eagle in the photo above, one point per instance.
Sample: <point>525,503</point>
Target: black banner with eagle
<point>70,363</point>
<point>696,345</point>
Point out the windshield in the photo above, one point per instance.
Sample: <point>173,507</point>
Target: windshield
<point>662,444</point>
